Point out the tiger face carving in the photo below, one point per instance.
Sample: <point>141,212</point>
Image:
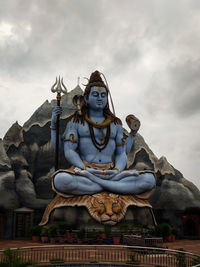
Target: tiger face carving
<point>107,208</point>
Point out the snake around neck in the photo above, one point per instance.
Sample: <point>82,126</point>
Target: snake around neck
<point>105,138</point>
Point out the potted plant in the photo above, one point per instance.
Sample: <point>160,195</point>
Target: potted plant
<point>62,228</point>
<point>107,230</point>
<point>99,238</point>
<point>173,235</point>
<point>53,233</point>
<point>91,236</point>
<point>116,239</point>
<point>163,230</point>
<point>133,260</point>
<point>103,235</point>
<point>80,235</point>
<point>68,235</point>
<point>123,228</point>
<point>35,232</point>
<point>45,234</point>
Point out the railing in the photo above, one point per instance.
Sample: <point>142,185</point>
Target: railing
<point>134,240</point>
<point>142,256</point>
<point>153,242</point>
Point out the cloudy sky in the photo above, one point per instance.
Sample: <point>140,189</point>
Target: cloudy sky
<point>147,49</point>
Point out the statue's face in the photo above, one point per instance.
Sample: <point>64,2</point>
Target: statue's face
<point>97,98</point>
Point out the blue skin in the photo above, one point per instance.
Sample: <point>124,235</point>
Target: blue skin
<point>92,181</point>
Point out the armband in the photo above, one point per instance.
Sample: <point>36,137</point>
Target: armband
<point>123,142</point>
<point>71,139</point>
<point>133,134</point>
<point>52,128</point>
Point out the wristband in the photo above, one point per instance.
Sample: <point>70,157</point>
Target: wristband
<point>133,134</point>
<point>117,170</point>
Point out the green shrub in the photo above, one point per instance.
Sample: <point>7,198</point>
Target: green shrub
<point>123,228</point>
<point>92,234</point>
<point>180,258</point>
<point>63,227</point>
<point>174,232</point>
<point>36,230</point>
<point>133,258</point>
<point>196,260</point>
<point>13,259</point>
<point>107,229</point>
<point>81,233</point>
<point>45,231</point>
<point>53,230</point>
<point>163,230</point>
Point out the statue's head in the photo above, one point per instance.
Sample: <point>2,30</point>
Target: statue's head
<point>95,97</point>
<point>96,92</point>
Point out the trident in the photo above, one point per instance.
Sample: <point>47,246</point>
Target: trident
<point>58,87</point>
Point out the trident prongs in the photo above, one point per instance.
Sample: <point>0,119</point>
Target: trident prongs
<point>59,86</point>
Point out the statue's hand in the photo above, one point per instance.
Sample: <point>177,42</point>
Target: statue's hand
<point>112,173</point>
<point>56,111</point>
<point>125,174</point>
<point>106,174</point>
<point>133,172</point>
<point>81,172</point>
<point>92,173</point>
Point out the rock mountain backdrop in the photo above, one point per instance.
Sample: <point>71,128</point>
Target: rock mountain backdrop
<point>27,160</point>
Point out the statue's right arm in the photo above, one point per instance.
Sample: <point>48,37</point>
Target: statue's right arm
<point>56,111</point>
<point>71,140</point>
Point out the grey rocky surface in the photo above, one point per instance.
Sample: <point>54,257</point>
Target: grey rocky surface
<point>8,195</point>
<point>5,163</point>
<point>27,160</point>
<point>26,191</point>
<point>13,136</point>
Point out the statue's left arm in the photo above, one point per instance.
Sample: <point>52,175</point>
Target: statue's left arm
<point>129,143</point>
<point>134,125</point>
<point>120,152</point>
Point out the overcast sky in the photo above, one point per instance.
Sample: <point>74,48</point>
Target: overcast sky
<point>149,51</point>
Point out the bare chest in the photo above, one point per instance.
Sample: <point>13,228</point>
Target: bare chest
<point>84,131</point>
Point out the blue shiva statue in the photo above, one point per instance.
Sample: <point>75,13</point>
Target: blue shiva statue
<point>93,142</point>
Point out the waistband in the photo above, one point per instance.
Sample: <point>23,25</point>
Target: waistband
<point>107,166</point>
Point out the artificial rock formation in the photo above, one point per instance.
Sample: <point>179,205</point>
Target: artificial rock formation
<point>27,164</point>
<point>9,198</point>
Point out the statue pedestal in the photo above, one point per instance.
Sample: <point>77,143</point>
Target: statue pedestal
<point>92,211</point>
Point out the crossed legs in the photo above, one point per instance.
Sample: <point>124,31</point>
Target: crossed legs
<point>90,184</point>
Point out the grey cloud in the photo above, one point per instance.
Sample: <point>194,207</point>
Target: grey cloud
<point>185,82</point>
<point>189,105</point>
<point>74,37</point>
<point>61,32</point>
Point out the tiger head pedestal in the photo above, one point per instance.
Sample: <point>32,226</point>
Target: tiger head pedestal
<point>104,208</point>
